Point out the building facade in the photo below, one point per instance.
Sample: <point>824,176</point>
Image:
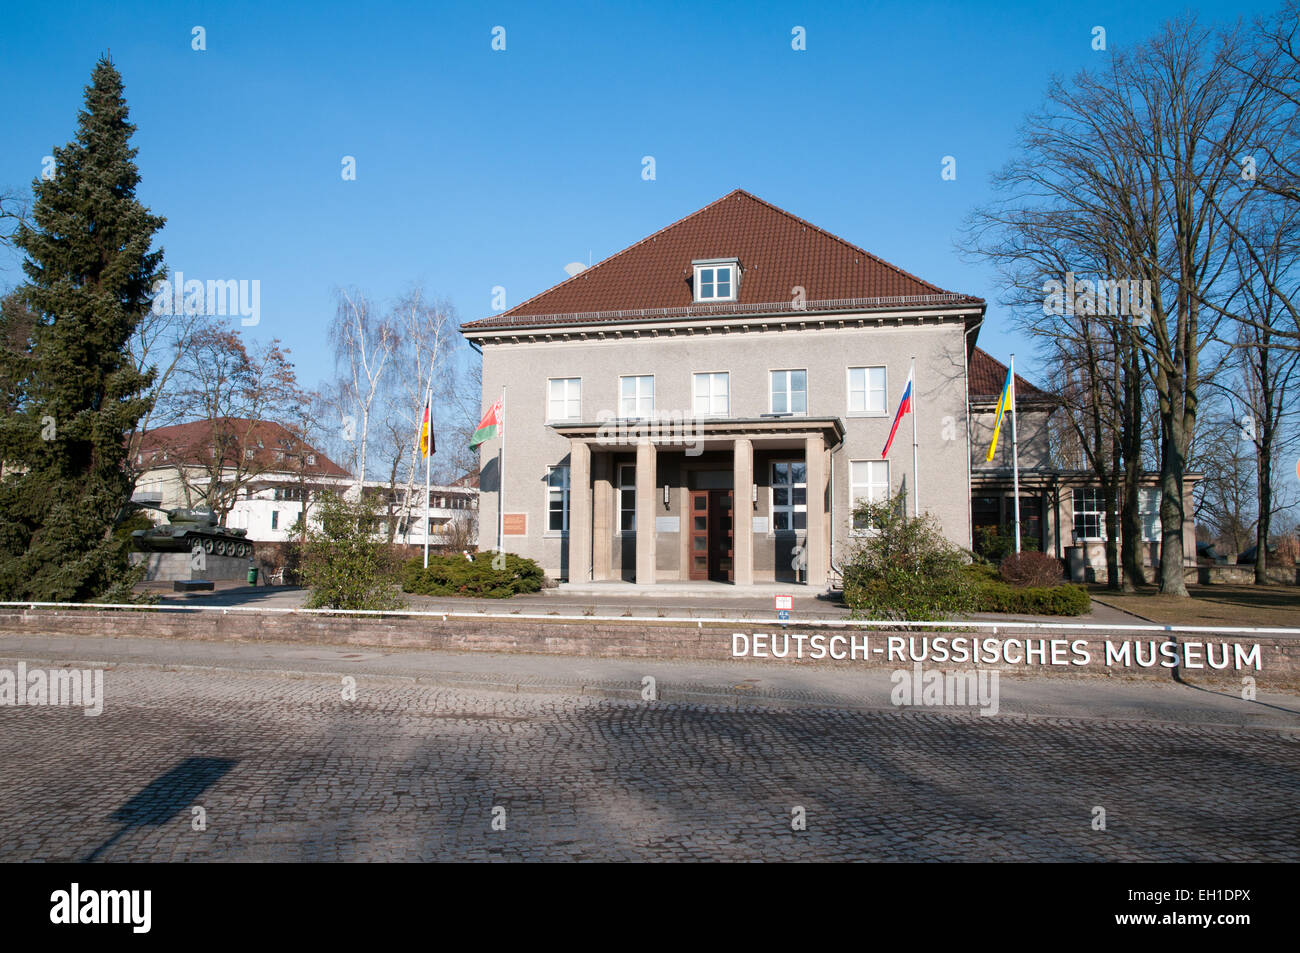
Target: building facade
<point>1062,506</point>
<point>710,403</point>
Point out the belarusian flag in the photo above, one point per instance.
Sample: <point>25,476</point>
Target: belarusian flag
<point>427,444</point>
<point>489,426</point>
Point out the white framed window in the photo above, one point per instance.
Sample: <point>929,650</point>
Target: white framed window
<point>713,394</point>
<point>1089,513</point>
<point>275,519</point>
<point>789,495</point>
<point>627,498</point>
<point>789,392</point>
<point>867,391</point>
<point>716,279</point>
<point>557,499</point>
<point>636,396</point>
<point>869,481</point>
<point>1149,510</point>
<point>564,398</point>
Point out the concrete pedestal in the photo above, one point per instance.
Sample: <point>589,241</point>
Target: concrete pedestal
<point>168,567</point>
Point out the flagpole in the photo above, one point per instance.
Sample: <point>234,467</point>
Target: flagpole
<point>428,438</point>
<point>916,494</point>
<point>1015,456</point>
<point>501,479</point>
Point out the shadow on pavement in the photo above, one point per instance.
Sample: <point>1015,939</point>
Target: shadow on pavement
<point>165,797</point>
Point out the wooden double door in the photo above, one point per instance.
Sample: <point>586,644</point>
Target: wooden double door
<point>711,554</point>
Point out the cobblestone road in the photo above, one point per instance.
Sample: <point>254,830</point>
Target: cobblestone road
<point>285,769</point>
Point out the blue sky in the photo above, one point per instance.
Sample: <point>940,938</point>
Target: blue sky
<point>478,168</point>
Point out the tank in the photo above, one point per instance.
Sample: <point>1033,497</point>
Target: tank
<point>185,527</point>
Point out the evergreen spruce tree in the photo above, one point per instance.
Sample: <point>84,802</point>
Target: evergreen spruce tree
<point>66,484</point>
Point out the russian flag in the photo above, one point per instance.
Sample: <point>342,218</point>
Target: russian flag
<point>904,407</point>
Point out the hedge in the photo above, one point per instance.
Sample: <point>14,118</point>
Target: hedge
<point>454,575</point>
<point>997,596</point>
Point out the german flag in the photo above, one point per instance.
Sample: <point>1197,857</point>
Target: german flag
<point>428,446</point>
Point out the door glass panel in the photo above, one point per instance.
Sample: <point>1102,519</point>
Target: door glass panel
<point>698,542</point>
<point>701,523</point>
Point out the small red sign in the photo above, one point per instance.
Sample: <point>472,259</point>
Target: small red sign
<point>784,602</point>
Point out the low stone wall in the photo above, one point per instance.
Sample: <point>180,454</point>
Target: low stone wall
<point>1242,575</point>
<point>1278,656</point>
<point>1211,575</point>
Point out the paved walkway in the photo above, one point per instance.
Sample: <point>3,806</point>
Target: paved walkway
<point>283,767</point>
<point>616,600</point>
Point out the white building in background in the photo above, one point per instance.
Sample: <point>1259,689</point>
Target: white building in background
<point>175,474</point>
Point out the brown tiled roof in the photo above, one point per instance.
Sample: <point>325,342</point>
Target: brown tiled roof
<point>469,481</point>
<point>986,375</point>
<point>777,252</point>
<point>191,443</point>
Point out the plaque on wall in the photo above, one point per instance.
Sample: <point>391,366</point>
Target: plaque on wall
<point>668,524</point>
<point>760,524</point>
<point>516,524</point>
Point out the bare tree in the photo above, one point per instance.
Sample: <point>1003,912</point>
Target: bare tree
<point>159,345</point>
<point>1269,374</point>
<point>429,339</point>
<point>1145,152</point>
<point>227,390</point>
<point>364,344</point>
<point>303,419</point>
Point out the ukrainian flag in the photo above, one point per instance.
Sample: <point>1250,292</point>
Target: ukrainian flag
<point>1003,402</point>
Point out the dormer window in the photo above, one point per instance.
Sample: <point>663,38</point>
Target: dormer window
<point>716,279</point>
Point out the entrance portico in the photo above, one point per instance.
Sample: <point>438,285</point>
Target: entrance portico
<point>739,501</point>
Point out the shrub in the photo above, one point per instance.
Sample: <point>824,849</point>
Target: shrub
<point>906,569</point>
<point>344,565</point>
<point>1032,569</point>
<point>991,594</point>
<point>476,577</point>
<point>995,543</point>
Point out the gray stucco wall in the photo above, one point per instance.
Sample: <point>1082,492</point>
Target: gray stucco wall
<point>524,368</point>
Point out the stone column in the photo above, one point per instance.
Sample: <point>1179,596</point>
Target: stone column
<point>742,512</point>
<point>647,505</point>
<point>602,515</point>
<point>815,464</point>
<point>579,512</point>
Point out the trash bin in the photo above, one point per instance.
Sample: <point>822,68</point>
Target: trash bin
<point>252,573</point>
